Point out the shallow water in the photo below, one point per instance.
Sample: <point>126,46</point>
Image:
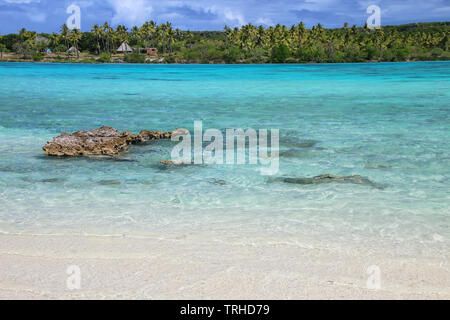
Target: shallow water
<point>387,122</point>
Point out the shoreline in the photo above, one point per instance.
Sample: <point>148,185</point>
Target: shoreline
<point>139,230</point>
<point>219,64</point>
<point>115,267</point>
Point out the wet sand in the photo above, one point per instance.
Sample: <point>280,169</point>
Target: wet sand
<point>120,267</point>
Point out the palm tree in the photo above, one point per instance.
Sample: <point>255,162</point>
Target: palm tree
<point>2,48</point>
<point>121,34</point>
<point>170,36</point>
<point>54,40</point>
<point>97,31</point>
<point>135,36</point>
<point>107,35</point>
<point>75,37</point>
<point>151,30</point>
<point>65,34</point>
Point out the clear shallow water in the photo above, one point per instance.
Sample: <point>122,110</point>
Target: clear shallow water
<point>387,122</point>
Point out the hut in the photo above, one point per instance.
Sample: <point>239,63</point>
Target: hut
<point>73,50</point>
<point>124,47</point>
<point>151,51</point>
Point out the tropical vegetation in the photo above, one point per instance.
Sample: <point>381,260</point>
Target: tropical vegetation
<point>247,44</point>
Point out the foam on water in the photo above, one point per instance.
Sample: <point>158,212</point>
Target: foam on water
<point>387,122</point>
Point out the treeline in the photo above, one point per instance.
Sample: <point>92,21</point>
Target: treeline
<point>248,44</point>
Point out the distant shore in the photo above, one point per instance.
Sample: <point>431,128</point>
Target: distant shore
<point>89,59</point>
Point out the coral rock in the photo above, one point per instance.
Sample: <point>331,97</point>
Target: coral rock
<point>101,141</point>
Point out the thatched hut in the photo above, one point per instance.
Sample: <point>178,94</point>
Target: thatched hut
<point>124,48</point>
<point>73,50</point>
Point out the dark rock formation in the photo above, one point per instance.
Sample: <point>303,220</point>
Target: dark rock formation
<point>101,141</point>
<point>328,178</point>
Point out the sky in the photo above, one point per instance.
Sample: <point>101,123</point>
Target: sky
<point>49,15</point>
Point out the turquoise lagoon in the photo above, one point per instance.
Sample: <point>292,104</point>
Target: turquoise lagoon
<point>388,122</point>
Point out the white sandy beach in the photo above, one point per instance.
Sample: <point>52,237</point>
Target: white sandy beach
<point>115,267</point>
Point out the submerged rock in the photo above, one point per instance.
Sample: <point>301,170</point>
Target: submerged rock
<point>328,178</point>
<point>101,141</point>
<point>175,163</point>
<point>109,182</point>
<point>297,143</point>
<point>218,182</point>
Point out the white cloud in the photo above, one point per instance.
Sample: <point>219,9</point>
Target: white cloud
<point>135,12</point>
<point>131,12</point>
<point>265,21</point>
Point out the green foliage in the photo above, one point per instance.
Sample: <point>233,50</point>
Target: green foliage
<point>89,60</point>
<point>170,59</point>
<point>280,53</point>
<point>25,49</point>
<point>232,55</point>
<point>135,57</point>
<point>291,60</point>
<point>312,53</point>
<point>36,56</point>
<point>371,53</point>
<point>248,44</point>
<point>437,52</point>
<point>60,48</point>
<point>104,58</point>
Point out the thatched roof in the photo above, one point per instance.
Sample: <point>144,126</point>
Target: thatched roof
<point>124,47</point>
<point>73,49</point>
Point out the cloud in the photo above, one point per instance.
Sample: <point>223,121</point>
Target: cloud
<point>130,11</point>
<point>48,15</point>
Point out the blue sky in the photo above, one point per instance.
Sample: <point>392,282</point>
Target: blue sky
<point>49,15</point>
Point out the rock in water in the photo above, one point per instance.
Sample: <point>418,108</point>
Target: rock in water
<point>327,178</point>
<point>146,135</point>
<point>101,141</point>
<point>175,163</point>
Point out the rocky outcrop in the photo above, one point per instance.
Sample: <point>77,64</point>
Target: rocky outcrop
<point>146,135</point>
<point>101,141</point>
<point>328,178</point>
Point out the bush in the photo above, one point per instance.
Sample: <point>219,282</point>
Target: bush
<point>311,53</point>
<point>36,56</point>
<point>388,55</point>
<point>24,49</point>
<point>134,57</point>
<point>401,54</point>
<point>191,54</point>
<point>291,60</point>
<point>105,58</point>
<point>371,53</point>
<point>352,53</point>
<point>169,59</point>
<point>233,55</point>
<point>437,52</point>
<point>60,48</point>
<point>280,53</point>
<point>214,54</point>
<point>89,60</point>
